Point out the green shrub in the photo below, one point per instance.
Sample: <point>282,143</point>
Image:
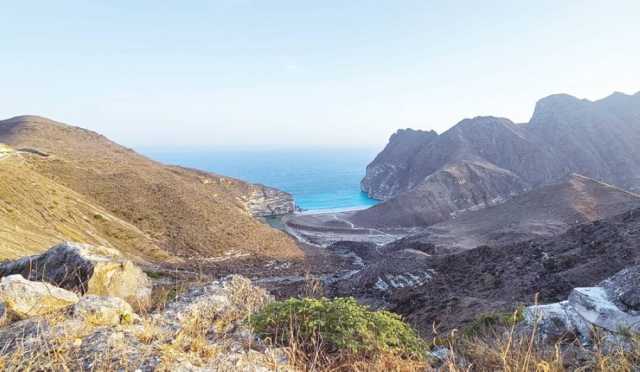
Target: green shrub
<point>338,325</point>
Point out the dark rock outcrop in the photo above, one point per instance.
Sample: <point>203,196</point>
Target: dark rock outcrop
<point>389,169</point>
<point>464,285</point>
<point>484,160</point>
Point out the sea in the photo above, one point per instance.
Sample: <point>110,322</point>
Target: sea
<point>321,180</point>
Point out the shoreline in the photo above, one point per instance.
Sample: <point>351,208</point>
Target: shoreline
<point>304,212</point>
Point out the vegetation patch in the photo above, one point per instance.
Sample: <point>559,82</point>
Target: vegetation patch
<point>337,326</point>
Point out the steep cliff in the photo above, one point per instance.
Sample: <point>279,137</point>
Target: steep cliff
<point>565,135</point>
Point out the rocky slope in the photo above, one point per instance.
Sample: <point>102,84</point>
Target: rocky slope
<point>452,290</point>
<point>485,160</point>
<point>185,212</point>
<point>543,212</point>
<point>51,328</point>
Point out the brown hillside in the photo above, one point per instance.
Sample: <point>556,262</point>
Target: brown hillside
<point>36,213</point>
<point>189,213</point>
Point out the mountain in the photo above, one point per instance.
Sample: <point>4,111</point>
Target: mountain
<point>394,162</point>
<point>486,160</point>
<point>452,290</point>
<point>543,212</point>
<point>185,212</point>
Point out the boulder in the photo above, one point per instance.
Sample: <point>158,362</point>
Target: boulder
<point>610,308</point>
<point>624,288</point>
<point>86,269</point>
<point>25,299</point>
<point>99,310</point>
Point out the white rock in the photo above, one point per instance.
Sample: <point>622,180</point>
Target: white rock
<point>100,310</point>
<point>25,299</point>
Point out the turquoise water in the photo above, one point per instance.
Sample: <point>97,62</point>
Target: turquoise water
<point>319,179</point>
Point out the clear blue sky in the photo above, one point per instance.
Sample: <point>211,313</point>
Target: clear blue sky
<point>331,73</point>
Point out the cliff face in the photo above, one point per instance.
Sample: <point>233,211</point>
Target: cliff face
<point>423,184</point>
<point>387,174</point>
<point>455,188</point>
<point>264,201</point>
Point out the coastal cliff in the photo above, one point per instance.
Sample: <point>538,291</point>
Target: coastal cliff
<point>486,160</point>
<point>264,201</point>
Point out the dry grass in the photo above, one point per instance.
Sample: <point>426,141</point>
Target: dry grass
<point>189,212</point>
<point>501,349</point>
<point>312,287</point>
<point>37,213</point>
<point>49,343</point>
<point>192,341</point>
<point>505,349</point>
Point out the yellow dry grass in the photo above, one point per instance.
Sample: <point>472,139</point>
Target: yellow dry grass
<point>37,213</point>
<point>186,212</point>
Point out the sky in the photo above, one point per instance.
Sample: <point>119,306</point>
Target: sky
<point>241,73</point>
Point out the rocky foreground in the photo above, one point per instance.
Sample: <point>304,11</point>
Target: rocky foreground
<point>86,309</point>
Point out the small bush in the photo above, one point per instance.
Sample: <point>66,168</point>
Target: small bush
<point>337,326</point>
<point>490,321</point>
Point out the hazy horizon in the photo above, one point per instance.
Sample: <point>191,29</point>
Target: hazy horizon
<point>247,74</point>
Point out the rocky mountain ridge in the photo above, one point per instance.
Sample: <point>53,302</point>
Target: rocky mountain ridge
<point>486,160</point>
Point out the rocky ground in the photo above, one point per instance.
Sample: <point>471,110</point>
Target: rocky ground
<point>451,290</point>
<point>104,315</point>
<point>87,308</point>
